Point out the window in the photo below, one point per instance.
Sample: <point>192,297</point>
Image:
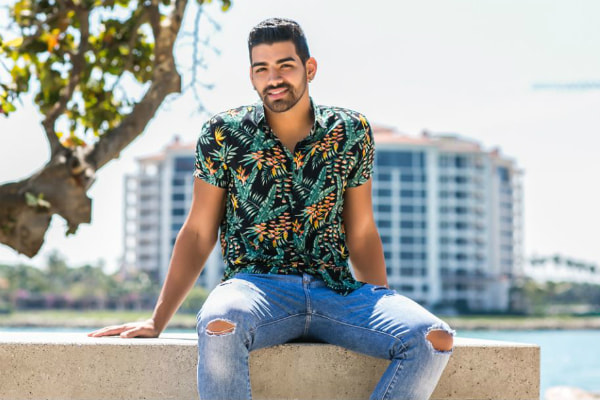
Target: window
<point>383,177</point>
<point>460,161</point>
<point>407,240</point>
<point>503,174</point>
<point>461,257</point>
<point>407,209</point>
<point>412,240</point>
<point>183,164</point>
<point>177,212</point>
<point>393,158</point>
<point>412,193</point>
<point>407,224</point>
<point>407,178</point>
<point>384,223</point>
<point>413,209</point>
<point>178,182</point>
<point>407,288</point>
<point>178,197</point>
<point>384,208</point>
<point>461,226</point>
<point>412,178</point>
<point>384,192</point>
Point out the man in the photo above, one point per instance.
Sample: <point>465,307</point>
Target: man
<point>288,182</point>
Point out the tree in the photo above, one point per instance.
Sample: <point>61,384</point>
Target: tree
<point>74,55</point>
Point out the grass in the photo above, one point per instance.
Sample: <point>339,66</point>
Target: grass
<point>87,318</point>
<point>99,318</point>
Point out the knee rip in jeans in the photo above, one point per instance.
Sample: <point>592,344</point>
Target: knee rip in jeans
<point>441,339</point>
<point>220,327</point>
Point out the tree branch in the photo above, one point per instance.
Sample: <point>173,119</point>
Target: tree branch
<point>165,80</point>
<point>74,78</point>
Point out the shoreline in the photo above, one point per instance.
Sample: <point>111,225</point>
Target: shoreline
<point>96,319</point>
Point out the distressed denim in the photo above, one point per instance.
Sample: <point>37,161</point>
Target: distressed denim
<point>269,309</point>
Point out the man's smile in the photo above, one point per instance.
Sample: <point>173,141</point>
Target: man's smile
<point>277,93</point>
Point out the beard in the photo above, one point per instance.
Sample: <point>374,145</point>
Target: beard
<point>291,98</point>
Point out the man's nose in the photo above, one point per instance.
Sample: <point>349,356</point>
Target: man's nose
<point>274,78</point>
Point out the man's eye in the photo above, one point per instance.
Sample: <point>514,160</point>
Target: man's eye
<point>260,69</point>
<point>284,66</point>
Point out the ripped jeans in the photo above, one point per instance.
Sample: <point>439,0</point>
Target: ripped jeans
<point>252,311</point>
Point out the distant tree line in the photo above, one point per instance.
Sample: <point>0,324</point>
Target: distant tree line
<point>547,298</point>
<point>58,286</point>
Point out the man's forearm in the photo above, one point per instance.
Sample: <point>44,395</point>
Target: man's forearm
<point>189,255</point>
<point>366,255</point>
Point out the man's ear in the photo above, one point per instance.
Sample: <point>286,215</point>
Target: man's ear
<point>311,68</point>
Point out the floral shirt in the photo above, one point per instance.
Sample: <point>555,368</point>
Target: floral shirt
<point>284,209</point>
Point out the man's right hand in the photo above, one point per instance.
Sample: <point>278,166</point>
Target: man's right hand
<point>144,329</point>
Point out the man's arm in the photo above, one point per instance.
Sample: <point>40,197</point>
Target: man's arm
<point>194,243</point>
<point>362,238</point>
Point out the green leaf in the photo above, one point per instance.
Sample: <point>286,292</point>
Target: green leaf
<point>14,43</point>
<point>36,201</point>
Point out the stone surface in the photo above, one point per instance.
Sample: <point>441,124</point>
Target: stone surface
<point>74,366</point>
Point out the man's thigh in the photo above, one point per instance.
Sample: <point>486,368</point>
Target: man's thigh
<point>264,310</point>
<point>373,320</point>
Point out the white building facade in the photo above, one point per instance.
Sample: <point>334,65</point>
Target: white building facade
<point>450,219</point>
<point>157,200</point>
<point>449,215</point>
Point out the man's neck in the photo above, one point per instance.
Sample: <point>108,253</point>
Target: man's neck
<point>294,124</point>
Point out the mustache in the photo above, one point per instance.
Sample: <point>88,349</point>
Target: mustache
<point>282,86</point>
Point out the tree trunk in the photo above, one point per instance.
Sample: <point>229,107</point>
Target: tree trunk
<point>27,206</point>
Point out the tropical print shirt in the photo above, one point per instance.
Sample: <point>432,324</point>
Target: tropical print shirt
<point>284,209</point>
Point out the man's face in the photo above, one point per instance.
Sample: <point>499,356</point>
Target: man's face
<point>278,75</point>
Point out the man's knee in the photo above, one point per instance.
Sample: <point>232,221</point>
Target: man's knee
<point>440,339</point>
<point>219,327</point>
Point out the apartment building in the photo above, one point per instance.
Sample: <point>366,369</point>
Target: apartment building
<point>449,214</point>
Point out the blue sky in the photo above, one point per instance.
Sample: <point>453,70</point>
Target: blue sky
<point>449,66</point>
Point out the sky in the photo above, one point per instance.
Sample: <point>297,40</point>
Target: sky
<point>467,67</point>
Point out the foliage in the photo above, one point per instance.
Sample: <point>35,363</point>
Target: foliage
<point>194,300</point>
<point>100,43</point>
<point>60,286</point>
<point>564,297</point>
<point>98,71</point>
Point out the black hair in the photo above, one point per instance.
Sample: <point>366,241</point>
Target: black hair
<point>274,30</point>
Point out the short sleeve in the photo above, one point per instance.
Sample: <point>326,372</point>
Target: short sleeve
<point>363,152</point>
<point>209,165</point>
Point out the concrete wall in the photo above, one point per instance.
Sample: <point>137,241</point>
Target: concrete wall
<point>72,366</point>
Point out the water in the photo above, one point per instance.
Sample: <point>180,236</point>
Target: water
<point>568,357</point>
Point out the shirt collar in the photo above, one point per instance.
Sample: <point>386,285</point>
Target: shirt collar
<point>320,117</point>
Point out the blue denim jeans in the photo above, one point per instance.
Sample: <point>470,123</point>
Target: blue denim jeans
<point>266,310</point>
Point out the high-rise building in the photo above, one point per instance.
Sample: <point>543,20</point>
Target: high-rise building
<point>157,200</point>
<point>449,214</point>
<point>450,219</point>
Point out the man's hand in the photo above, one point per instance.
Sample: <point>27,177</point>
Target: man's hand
<point>143,329</point>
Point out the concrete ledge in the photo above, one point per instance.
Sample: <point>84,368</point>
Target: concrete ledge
<point>72,366</point>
